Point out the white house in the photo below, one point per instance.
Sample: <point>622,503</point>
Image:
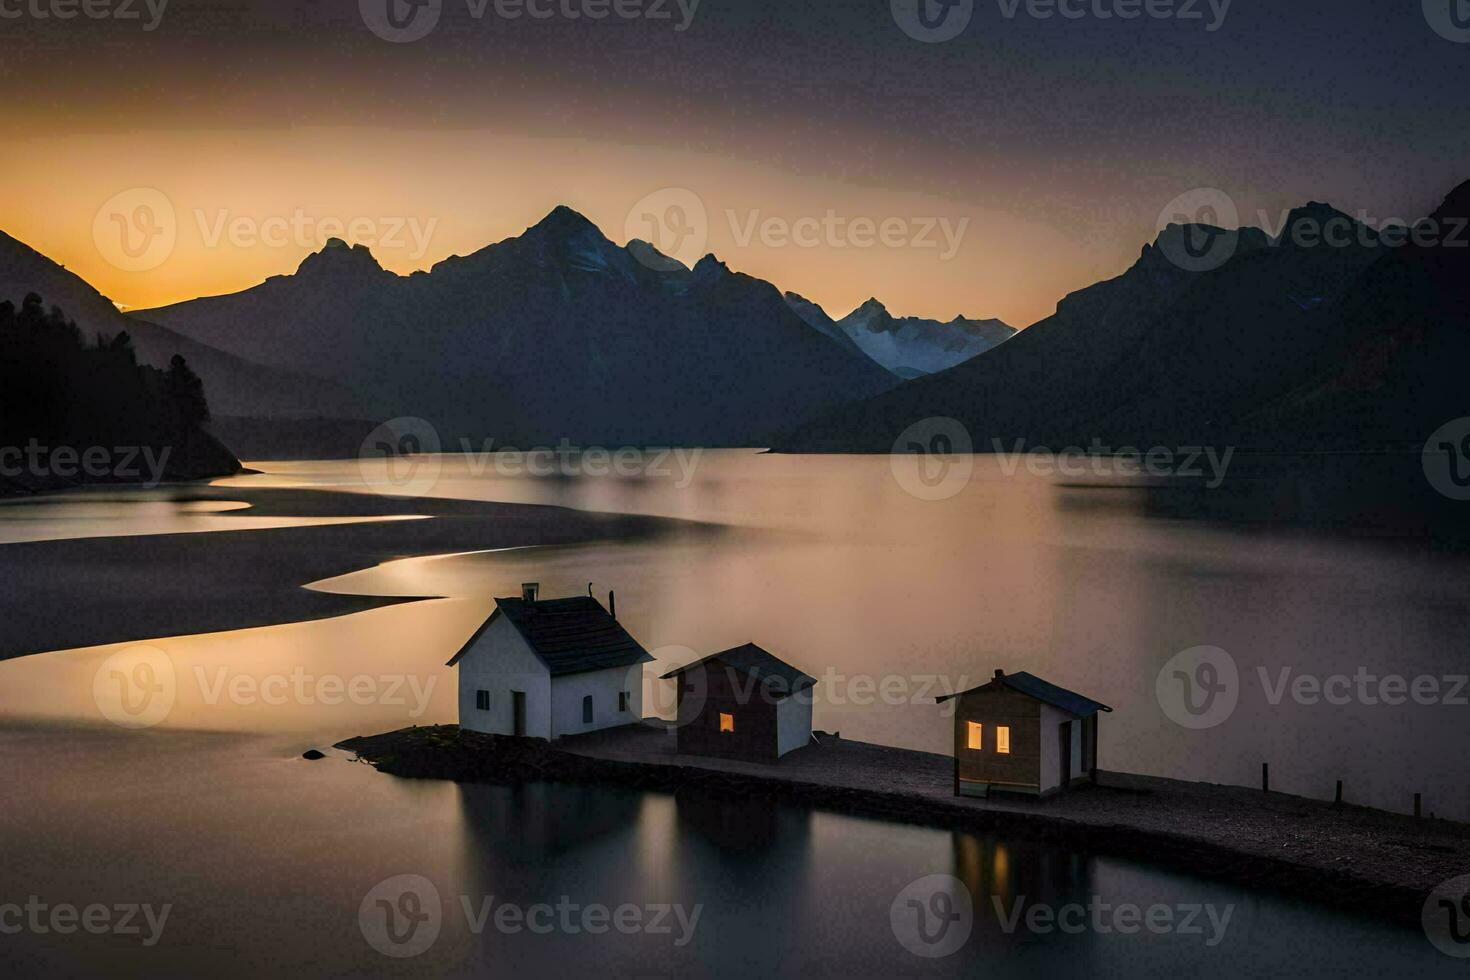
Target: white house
<point>545,668</point>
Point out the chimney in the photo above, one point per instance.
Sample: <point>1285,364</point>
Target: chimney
<point>529,590</point>
<point>999,674</point>
<point>612,604</point>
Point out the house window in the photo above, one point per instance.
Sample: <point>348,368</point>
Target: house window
<point>727,722</point>
<point>587,710</point>
<point>1003,740</point>
<point>622,700</point>
<point>972,735</point>
<point>482,700</point>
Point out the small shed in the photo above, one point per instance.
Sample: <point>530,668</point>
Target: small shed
<point>544,668</point>
<point>742,703</point>
<point>1021,734</point>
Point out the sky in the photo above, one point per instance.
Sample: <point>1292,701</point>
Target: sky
<point>985,160</point>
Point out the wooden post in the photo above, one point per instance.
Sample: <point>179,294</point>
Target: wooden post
<point>1338,800</point>
<point>1418,805</point>
<point>1265,777</point>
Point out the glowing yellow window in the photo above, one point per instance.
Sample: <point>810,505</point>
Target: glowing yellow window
<point>972,737</point>
<point>1002,740</point>
<point>727,722</point>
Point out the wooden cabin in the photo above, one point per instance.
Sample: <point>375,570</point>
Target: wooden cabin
<point>544,668</point>
<point>742,703</point>
<point>1021,734</point>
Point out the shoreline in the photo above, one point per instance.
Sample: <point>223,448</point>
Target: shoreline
<point>222,580</point>
<point>1356,859</point>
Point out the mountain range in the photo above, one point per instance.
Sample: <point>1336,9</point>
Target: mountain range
<point>909,347</point>
<point>236,385</point>
<point>1295,343</point>
<point>556,333</point>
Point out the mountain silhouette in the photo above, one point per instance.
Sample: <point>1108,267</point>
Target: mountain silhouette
<point>237,387</point>
<point>557,333</point>
<point>1292,343</point>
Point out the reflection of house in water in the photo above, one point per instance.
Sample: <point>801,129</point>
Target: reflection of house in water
<point>743,823</point>
<point>544,819</point>
<point>1005,876</point>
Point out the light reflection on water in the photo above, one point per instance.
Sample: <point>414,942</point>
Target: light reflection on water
<point>113,512</point>
<point>889,599</point>
<point>268,856</point>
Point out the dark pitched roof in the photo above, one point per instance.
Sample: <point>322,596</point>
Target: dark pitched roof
<point>758,663</point>
<point>1043,691</point>
<point>570,636</point>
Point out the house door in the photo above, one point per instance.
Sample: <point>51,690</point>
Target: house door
<point>1065,731</point>
<point>518,712</point>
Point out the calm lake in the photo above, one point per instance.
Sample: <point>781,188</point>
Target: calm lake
<point>887,595</point>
